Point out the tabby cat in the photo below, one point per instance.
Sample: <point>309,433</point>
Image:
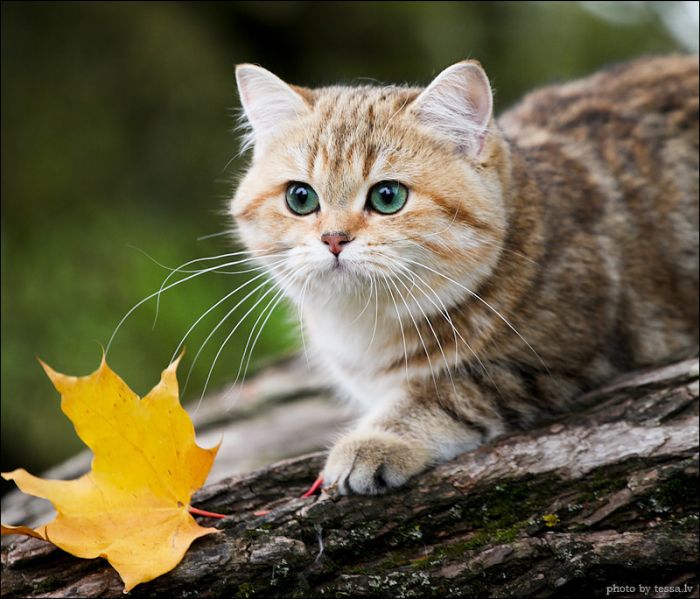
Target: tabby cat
<point>460,276</point>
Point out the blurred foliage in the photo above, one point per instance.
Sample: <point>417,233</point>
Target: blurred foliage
<point>117,132</point>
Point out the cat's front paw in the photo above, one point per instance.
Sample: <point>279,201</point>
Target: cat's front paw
<point>368,463</point>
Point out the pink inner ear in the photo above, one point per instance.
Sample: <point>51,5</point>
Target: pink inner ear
<point>458,105</point>
<point>482,140</point>
<point>479,95</point>
<point>268,102</point>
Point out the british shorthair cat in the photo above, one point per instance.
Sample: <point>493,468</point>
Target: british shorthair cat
<point>460,276</point>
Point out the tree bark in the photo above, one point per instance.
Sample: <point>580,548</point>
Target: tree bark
<point>603,502</point>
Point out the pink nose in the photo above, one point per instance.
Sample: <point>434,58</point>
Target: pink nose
<point>335,241</point>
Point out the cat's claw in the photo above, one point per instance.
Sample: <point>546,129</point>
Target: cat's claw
<point>369,463</point>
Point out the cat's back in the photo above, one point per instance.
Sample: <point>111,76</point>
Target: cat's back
<point>635,123</point>
<point>651,98</point>
<point>630,126</point>
<point>614,161</point>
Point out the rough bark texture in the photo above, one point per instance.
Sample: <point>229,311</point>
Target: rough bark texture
<point>596,503</point>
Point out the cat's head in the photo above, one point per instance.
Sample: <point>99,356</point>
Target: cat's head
<point>397,184</point>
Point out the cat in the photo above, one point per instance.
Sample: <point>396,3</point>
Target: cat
<point>460,276</point>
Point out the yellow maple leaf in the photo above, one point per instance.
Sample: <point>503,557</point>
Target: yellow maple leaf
<point>132,507</point>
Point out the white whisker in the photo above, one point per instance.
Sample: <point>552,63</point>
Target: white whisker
<point>300,313</point>
<point>483,301</point>
<point>375,287</point>
<point>157,293</point>
<point>235,263</point>
<point>430,325</point>
<point>369,298</point>
<point>221,322</point>
<point>221,301</point>
<point>210,235</point>
<point>287,276</point>
<point>445,313</point>
<point>398,318</point>
<point>420,336</point>
<point>270,308</point>
<point>184,270</point>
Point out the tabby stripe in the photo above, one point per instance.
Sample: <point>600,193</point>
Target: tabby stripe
<point>464,420</point>
<point>458,213</point>
<point>253,205</point>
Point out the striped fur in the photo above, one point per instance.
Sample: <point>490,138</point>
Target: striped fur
<point>537,255</point>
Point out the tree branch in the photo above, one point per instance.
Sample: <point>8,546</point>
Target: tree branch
<point>606,496</point>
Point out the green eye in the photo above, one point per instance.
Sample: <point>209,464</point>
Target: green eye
<point>387,197</point>
<point>301,199</point>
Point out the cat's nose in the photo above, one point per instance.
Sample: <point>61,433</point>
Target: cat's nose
<point>335,241</point>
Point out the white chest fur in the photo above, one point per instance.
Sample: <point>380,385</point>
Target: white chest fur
<point>354,348</point>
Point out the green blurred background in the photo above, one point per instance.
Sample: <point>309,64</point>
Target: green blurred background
<point>117,131</point>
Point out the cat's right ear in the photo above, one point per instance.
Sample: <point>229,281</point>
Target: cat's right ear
<point>268,102</point>
<point>458,105</point>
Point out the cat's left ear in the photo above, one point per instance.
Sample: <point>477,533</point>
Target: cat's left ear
<point>458,105</point>
<point>268,102</point>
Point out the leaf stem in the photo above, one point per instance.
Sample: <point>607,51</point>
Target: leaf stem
<point>198,512</point>
<point>315,487</point>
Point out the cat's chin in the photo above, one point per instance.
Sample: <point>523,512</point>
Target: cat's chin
<point>351,275</point>
<point>339,267</point>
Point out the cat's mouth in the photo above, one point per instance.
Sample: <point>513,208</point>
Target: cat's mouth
<point>354,267</point>
<point>340,266</point>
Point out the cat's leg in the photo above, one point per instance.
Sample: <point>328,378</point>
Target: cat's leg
<point>397,441</point>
